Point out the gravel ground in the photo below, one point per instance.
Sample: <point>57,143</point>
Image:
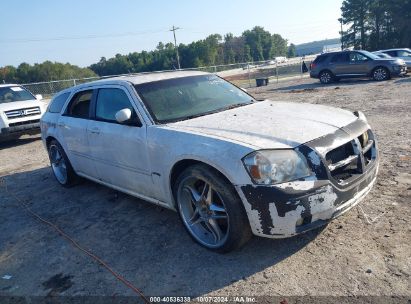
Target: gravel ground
<point>365,252</point>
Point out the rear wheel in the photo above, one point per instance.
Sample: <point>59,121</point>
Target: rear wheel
<point>211,210</point>
<point>380,74</point>
<point>60,164</point>
<point>326,77</point>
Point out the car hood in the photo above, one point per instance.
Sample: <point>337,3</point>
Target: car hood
<point>391,60</point>
<point>270,125</point>
<point>19,105</point>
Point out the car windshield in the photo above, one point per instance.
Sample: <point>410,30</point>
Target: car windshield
<point>369,55</point>
<point>188,97</point>
<point>382,55</point>
<point>14,93</point>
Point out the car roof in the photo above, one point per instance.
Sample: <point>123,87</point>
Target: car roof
<point>5,85</point>
<point>398,49</point>
<point>139,78</point>
<point>338,52</point>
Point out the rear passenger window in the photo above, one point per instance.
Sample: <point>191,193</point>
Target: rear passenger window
<point>58,102</point>
<point>79,106</point>
<point>339,58</point>
<point>109,102</point>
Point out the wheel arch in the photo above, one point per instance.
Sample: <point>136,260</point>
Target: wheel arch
<point>49,139</point>
<point>326,70</point>
<point>183,164</point>
<point>381,66</point>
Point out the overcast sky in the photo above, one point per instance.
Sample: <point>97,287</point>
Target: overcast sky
<point>81,32</point>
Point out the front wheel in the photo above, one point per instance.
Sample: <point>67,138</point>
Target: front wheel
<point>381,74</point>
<point>211,210</point>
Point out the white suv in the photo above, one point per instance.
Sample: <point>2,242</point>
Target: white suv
<point>20,111</point>
<point>404,54</point>
<point>229,164</point>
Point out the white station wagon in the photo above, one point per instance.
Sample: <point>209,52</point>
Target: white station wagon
<point>230,165</point>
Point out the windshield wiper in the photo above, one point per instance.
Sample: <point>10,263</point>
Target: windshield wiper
<point>236,105</point>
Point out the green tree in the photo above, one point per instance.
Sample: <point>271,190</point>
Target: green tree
<point>291,51</point>
<point>377,24</point>
<point>279,46</point>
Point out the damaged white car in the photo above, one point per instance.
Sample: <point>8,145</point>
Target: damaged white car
<point>230,165</point>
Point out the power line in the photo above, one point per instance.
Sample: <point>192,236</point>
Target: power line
<point>174,29</point>
<point>25,40</point>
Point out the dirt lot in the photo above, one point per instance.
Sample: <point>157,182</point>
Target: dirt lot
<point>364,252</point>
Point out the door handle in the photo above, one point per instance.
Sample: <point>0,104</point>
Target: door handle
<point>61,124</point>
<point>95,131</point>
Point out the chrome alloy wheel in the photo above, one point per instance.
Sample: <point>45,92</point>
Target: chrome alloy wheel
<point>380,74</point>
<point>58,164</point>
<point>203,212</point>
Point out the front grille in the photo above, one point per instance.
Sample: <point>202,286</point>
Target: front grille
<point>18,113</point>
<point>352,158</point>
<point>22,123</point>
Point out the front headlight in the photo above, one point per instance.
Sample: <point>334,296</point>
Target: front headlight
<point>276,166</point>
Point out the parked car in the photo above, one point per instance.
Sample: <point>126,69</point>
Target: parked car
<point>228,164</point>
<point>20,111</point>
<point>333,66</point>
<point>404,54</point>
<point>381,55</point>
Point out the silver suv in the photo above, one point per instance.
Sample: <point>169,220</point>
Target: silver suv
<point>333,66</point>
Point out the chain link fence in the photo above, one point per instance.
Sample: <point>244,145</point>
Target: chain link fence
<point>245,75</point>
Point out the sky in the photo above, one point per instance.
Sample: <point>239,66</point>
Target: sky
<point>82,31</point>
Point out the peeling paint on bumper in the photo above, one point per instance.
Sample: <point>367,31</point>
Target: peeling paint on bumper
<point>291,208</point>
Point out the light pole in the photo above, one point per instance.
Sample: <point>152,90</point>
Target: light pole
<point>174,29</point>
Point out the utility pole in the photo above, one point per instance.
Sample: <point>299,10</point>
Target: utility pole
<point>174,29</point>
<point>342,44</point>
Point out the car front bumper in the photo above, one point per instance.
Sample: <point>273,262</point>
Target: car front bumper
<point>399,70</point>
<point>24,128</point>
<point>296,207</point>
<point>290,208</point>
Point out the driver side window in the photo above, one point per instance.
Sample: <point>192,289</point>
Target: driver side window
<point>110,101</point>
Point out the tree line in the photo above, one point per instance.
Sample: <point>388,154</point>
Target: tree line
<point>256,44</point>
<point>376,24</point>
<point>46,71</point>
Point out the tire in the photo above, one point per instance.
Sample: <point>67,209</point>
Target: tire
<point>60,165</point>
<point>381,74</point>
<point>210,209</point>
<point>326,77</point>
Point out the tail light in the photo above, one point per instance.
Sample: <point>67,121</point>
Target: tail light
<point>312,65</point>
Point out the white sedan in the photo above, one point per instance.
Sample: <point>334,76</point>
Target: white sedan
<point>230,165</point>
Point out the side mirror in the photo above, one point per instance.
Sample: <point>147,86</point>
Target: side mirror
<point>123,115</point>
<point>39,96</point>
